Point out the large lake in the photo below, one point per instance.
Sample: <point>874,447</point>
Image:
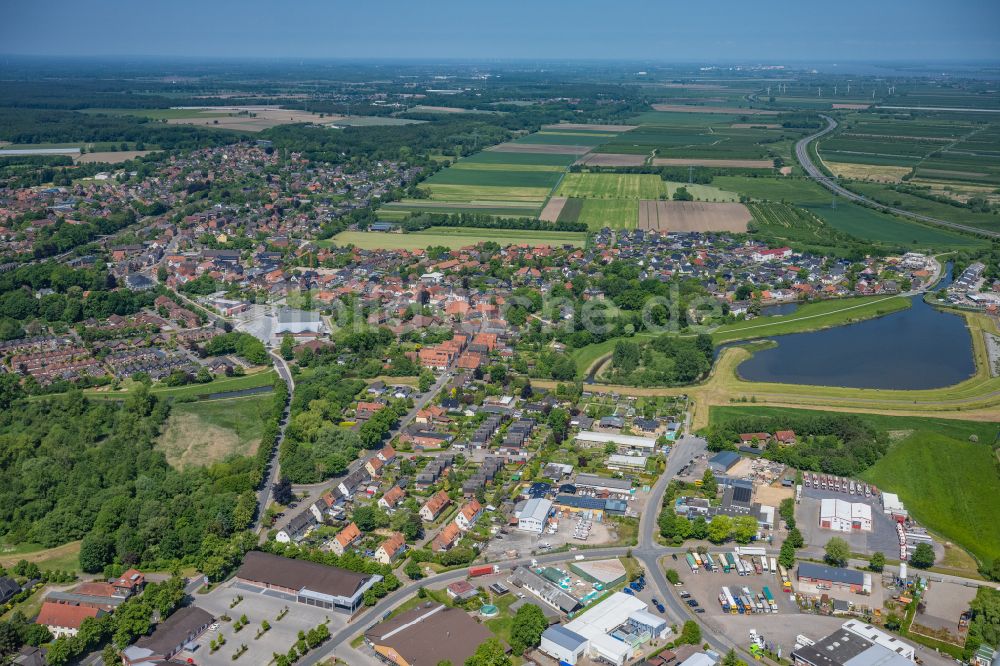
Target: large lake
<point>916,348</point>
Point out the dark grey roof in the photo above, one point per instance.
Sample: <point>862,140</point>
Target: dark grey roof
<point>298,574</point>
<point>564,638</point>
<point>833,574</point>
<point>835,650</point>
<point>176,630</point>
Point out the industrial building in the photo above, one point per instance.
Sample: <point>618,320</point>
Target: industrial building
<point>855,644</point>
<point>723,461</point>
<point>610,633</point>
<point>591,508</point>
<point>843,516</point>
<point>428,634</point>
<point>603,484</point>
<point>544,589</point>
<point>892,506</point>
<point>306,582</point>
<point>590,438</point>
<point>534,515</point>
<point>828,578</point>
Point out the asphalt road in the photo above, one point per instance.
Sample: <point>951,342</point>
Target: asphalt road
<point>647,551</point>
<point>814,172</point>
<point>274,468</point>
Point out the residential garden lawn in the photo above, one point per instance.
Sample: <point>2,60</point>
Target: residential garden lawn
<point>812,316</point>
<point>207,431</point>
<point>613,213</point>
<point>253,379</point>
<point>454,237</point>
<point>633,186</point>
<point>65,557</point>
<point>942,477</point>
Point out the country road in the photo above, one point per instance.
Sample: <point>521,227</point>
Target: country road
<point>814,172</point>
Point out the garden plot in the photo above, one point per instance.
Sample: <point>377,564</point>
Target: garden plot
<point>693,216</point>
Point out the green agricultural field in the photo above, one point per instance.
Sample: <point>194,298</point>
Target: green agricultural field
<point>941,475</point>
<point>468,165</point>
<point>453,237</point>
<point>496,157</point>
<point>400,210</point>
<point>565,138</point>
<point>487,193</point>
<point>916,204</point>
<point>856,220</point>
<point>613,213</point>
<point>633,186</point>
<point>494,178</point>
<point>811,316</point>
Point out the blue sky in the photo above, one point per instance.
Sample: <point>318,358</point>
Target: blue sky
<point>663,30</point>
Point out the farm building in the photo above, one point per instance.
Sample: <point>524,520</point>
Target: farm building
<point>606,572</point>
<point>842,516</point>
<point>828,578</point>
<point>534,515</point>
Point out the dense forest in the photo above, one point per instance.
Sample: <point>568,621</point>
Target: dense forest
<point>841,444</point>
<point>52,126</point>
<point>73,468</point>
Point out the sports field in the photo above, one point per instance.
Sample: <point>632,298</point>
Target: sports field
<point>453,237</point>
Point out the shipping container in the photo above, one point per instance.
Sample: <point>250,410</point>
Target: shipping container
<point>483,570</point>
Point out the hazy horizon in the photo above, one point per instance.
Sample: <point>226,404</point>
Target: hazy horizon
<point>769,32</point>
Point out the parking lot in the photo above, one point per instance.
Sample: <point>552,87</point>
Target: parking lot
<point>257,607</point>
<point>882,537</point>
<point>778,629</point>
<point>705,587</point>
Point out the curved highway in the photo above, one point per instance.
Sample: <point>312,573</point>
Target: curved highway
<point>814,172</point>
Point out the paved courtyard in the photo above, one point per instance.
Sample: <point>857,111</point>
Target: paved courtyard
<point>257,607</point>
